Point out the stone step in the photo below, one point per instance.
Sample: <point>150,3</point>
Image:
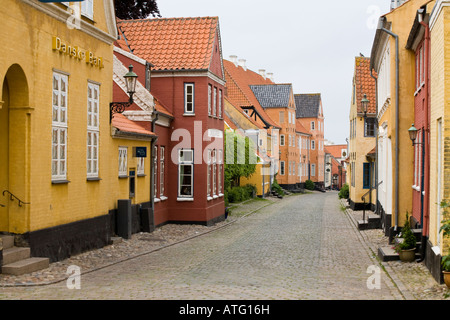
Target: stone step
<point>8,241</point>
<point>26,266</point>
<point>388,253</point>
<point>371,222</point>
<point>14,254</point>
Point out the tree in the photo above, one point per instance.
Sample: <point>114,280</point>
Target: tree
<point>136,9</point>
<point>238,168</point>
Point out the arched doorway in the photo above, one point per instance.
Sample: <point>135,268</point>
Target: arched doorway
<point>13,146</point>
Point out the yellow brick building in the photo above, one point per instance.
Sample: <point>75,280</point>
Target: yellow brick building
<point>439,132</point>
<point>59,180</point>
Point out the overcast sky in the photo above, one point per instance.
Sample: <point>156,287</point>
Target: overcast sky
<point>311,44</point>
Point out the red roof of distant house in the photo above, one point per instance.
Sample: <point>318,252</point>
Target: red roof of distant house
<point>364,84</point>
<point>239,91</point>
<point>171,43</point>
<point>336,150</point>
<point>123,124</point>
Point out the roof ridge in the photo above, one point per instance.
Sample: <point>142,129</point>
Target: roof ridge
<point>172,18</point>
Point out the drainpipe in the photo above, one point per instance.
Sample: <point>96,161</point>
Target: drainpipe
<point>425,140</point>
<point>376,139</point>
<point>397,66</point>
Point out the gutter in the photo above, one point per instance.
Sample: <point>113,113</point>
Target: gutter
<point>397,66</point>
<point>376,138</point>
<point>152,166</point>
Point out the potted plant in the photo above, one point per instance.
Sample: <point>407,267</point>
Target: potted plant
<point>406,249</point>
<point>445,228</point>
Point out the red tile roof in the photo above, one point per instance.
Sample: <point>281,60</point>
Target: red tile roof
<point>364,84</point>
<point>123,124</point>
<point>171,43</point>
<point>335,149</point>
<point>239,91</point>
<point>300,128</point>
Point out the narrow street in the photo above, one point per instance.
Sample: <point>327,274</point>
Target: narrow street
<point>301,248</point>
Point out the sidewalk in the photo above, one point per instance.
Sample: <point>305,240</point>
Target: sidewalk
<point>122,249</point>
<point>413,279</point>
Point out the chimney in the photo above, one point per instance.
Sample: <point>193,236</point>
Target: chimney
<point>234,60</point>
<point>242,64</point>
<point>270,76</point>
<point>262,72</point>
<point>396,3</point>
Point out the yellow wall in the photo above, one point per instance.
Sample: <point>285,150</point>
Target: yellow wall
<point>260,177</point>
<point>27,46</point>
<point>440,111</point>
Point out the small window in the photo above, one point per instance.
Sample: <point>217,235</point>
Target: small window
<point>140,166</point>
<point>313,170</point>
<point>186,173</point>
<point>313,145</point>
<point>87,8</point>
<point>161,171</point>
<point>220,104</point>
<point>215,102</point>
<point>123,165</point>
<point>282,140</point>
<point>366,175</point>
<point>189,98</point>
<point>313,125</point>
<point>282,168</point>
<point>209,99</point>
<point>369,127</point>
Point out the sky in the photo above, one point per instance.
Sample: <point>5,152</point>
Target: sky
<point>310,44</point>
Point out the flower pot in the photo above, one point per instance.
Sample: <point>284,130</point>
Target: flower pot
<point>447,278</point>
<point>407,255</point>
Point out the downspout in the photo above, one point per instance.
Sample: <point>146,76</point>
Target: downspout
<point>397,66</point>
<point>376,139</point>
<point>426,145</point>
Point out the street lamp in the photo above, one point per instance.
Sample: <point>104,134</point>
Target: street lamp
<point>130,81</point>
<point>413,134</point>
<point>365,104</point>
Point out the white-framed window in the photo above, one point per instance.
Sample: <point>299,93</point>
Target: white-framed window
<point>208,174</point>
<point>209,99</point>
<point>162,166</point>
<point>93,129</point>
<point>123,161</point>
<point>313,170</point>
<point>87,8</point>
<point>282,140</point>
<point>313,125</point>
<point>313,145</point>
<point>215,102</point>
<point>220,169</point>
<point>293,168</point>
<point>220,104</point>
<point>155,171</point>
<point>59,126</point>
<point>281,116</point>
<point>186,173</point>
<point>140,168</point>
<point>189,96</point>
<point>282,168</point>
<point>214,172</point>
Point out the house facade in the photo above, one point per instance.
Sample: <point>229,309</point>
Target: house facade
<point>309,112</point>
<point>59,188</point>
<point>362,138</point>
<point>187,78</point>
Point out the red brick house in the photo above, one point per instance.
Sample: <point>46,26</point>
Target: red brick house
<point>182,67</point>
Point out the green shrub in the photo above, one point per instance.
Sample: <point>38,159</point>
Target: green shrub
<point>239,194</point>
<point>409,239</point>
<point>309,185</point>
<point>276,187</point>
<point>344,192</point>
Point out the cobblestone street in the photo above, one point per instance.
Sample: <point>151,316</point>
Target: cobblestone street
<point>299,248</point>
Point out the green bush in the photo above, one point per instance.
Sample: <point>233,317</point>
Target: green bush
<point>276,187</point>
<point>238,194</point>
<point>344,192</point>
<point>409,239</point>
<point>309,185</point>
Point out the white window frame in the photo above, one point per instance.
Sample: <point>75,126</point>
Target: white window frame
<point>313,125</point>
<point>313,170</point>
<point>87,9</point>
<point>219,173</point>
<point>182,163</point>
<point>186,100</point>
<point>282,140</point>
<point>140,168</point>
<point>282,168</point>
<point>155,172</point>
<point>313,144</point>
<point>162,166</point>
<point>220,103</point>
<point>60,86</point>
<point>208,175</point>
<point>215,102</point>
<point>209,99</point>
<point>214,173</point>
<point>93,130</point>
<point>123,161</point>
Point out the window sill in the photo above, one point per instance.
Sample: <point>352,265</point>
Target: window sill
<point>221,195</point>
<point>93,179</point>
<point>163,198</point>
<point>208,198</point>
<point>188,114</point>
<point>141,175</point>
<point>123,177</point>
<point>60,181</point>
<point>156,200</point>
<point>185,199</point>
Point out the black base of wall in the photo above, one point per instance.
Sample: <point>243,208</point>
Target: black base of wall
<point>386,221</point>
<point>433,263</point>
<point>61,242</point>
<point>209,223</point>
<point>358,206</point>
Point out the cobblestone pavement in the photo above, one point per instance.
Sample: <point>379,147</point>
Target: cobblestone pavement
<point>300,247</point>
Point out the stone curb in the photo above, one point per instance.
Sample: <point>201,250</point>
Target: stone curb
<point>369,247</point>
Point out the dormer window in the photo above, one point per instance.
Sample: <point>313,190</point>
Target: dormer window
<point>87,9</point>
